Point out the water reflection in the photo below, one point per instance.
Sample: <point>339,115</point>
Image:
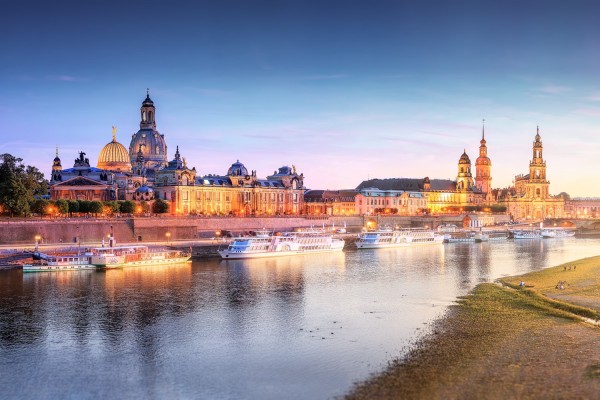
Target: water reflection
<point>306,326</point>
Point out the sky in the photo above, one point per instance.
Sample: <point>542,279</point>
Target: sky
<point>343,90</point>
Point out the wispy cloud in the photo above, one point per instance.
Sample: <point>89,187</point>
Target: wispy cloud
<point>324,77</point>
<point>590,112</point>
<point>594,97</point>
<point>212,92</point>
<point>553,89</point>
<point>64,78</point>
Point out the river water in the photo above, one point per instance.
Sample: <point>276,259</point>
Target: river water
<point>303,327</point>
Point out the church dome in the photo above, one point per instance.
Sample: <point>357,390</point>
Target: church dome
<point>464,159</point>
<point>114,157</point>
<point>237,169</point>
<point>144,189</point>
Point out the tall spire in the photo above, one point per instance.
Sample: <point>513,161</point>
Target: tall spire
<point>114,133</point>
<point>56,151</point>
<point>483,130</point>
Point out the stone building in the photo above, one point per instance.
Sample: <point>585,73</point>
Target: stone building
<point>530,197</point>
<point>239,192</point>
<point>82,182</point>
<point>331,202</point>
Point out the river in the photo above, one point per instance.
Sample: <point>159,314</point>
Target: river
<point>304,327</point>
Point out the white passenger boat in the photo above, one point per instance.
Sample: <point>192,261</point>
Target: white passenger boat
<point>265,244</point>
<point>135,256</point>
<point>60,263</point>
<point>397,238</point>
<point>462,237</point>
<point>558,233</point>
<point>527,234</point>
<point>497,235</point>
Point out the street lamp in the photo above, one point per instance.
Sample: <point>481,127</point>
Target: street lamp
<point>37,241</point>
<point>168,235</point>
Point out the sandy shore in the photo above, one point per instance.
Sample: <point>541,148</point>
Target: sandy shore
<point>507,342</point>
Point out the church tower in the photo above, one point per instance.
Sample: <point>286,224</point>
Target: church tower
<point>464,180</point>
<point>483,166</point>
<point>538,185</point>
<point>149,140</point>
<point>56,168</point>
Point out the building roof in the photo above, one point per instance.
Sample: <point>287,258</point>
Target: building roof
<point>408,184</point>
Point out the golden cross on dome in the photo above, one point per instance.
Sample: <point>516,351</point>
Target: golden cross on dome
<point>114,133</point>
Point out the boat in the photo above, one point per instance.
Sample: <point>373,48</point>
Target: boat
<point>558,233</point>
<point>267,244</point>
<point>462,237</point>
<point>526,234</point>
<point>397,238</point>
<point>497,235</point>
<point>60,263</point>
<point>135,256</point>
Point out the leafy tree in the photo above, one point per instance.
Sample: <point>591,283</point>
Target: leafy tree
<point>127,207</point>
<point>84,206</point>
<point>160,206</point>
<point>145,206</point>
<point>15,196</point>
<point>95,207</point>
<point>73,206</point>
<point>111,207</point>
<point>62,206</point>
<point>40,206</point>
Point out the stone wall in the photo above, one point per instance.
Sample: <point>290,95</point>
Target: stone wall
<point>13,231</point>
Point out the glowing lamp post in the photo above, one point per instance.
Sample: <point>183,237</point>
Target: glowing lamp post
<point>168,235</point>
<point>37,242</point>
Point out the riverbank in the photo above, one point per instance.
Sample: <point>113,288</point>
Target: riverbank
<point>513,341</point>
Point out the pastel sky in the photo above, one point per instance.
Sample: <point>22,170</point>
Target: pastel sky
<point>343,90</point>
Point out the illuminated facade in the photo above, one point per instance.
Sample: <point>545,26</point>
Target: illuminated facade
<point>530,197</point>
<point>483,166</point>
<point>239,192</point>
<point>331,202</point>
<point>376,201</point>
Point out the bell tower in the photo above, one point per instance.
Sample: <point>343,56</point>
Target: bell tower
<point>483,166</point>
<point>538,185</point>
<point>464,179</point>
<point>148,113</point>
<point>56,168</point>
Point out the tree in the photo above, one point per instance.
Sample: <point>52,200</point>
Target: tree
<point>73,206</point>
<point>62,206</point>
<point>84,206</point>
<point>15,196</point>
<point>40,206</point>
<point>160,206</point>
<point>145,206</point>
<point>95,207</point>
<point>111,207</point>
<point>127,207</point>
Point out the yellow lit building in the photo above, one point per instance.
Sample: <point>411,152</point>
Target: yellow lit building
<point>239,192</point>
<point>530,197</point>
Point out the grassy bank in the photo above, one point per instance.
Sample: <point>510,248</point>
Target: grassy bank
<point>507,342</point>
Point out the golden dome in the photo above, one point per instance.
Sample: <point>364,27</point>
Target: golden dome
<point>114,156</point>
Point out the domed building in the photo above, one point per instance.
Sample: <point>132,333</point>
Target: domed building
<point>237,169</point>
<point>148,141</point>
<point>114,156</point>
<point>464,179</point>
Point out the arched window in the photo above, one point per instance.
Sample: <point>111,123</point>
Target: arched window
<point>150,116</point>
<point>144,116</point>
